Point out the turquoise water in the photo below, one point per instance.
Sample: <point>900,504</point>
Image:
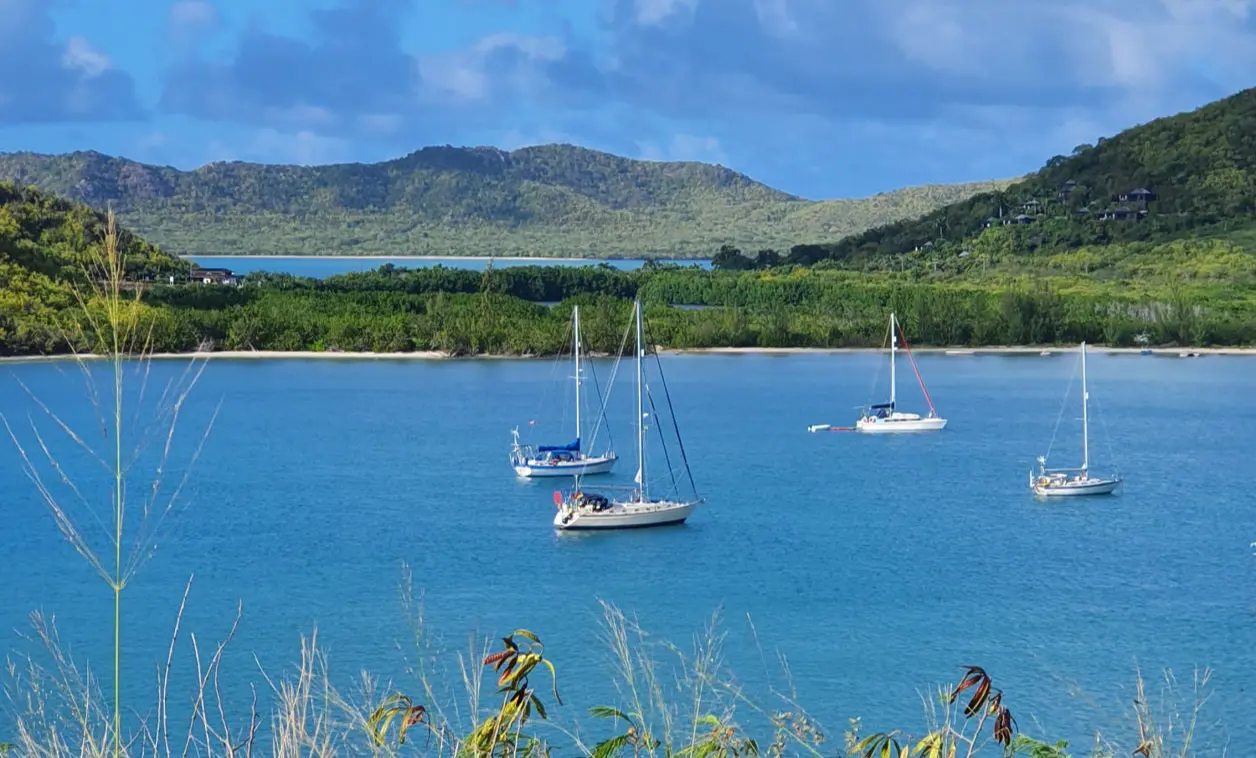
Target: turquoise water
<point>878,566</point>
<point>322,267</point>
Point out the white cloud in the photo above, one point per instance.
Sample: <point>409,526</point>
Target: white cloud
<point>188,22</point>
<point>151,141</point>
<point>301,116</point>
<point>380,124</point>
<point>651,12</point>
<point>775,16</point>
<point>907,59</point>
<point>1193,10</point>
<point>932,34</point>
<point>304,148</point>
<point>192,14</point>
<point>81,56</point>
<point>514,139</point>
<point>684,147</point>
<point>495,63</point>
<point>978,84</point>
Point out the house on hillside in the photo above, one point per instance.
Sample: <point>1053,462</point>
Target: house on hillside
<point>1122,213</point>
<point>212,276</point>
<point>1021,219</point>
<point>1066,189</point>
<point>1142,196</point>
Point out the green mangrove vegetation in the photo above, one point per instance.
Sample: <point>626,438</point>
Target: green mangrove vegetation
<point>525,310</point>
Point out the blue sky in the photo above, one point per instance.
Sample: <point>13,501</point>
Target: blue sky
<point>822,98</point>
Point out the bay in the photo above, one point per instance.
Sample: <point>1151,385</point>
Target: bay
<point>878,566</point>
<point>323,266</point>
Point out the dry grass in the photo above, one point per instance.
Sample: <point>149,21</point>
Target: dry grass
<point>670,703</point>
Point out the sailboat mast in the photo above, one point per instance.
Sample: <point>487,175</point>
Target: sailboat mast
<point>640,407</point>
<point>893,350</point>
<point>575,317</point>
<point>1085,416</point>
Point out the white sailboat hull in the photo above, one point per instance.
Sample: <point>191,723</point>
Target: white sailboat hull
<point>583,467</point>
<point>624,515</point>
<point>1078,483</point>
<point>897,421</point>
<point>900,422</point>
<point>1076,487</point>
<point>634,508</point>
<point>568,461</point>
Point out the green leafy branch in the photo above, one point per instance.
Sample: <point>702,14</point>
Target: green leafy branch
<point>501,732</point>
<point>397,708</point>
<point>985,704</point>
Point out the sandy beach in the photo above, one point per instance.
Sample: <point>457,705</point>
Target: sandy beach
<point>963,351</point>
<point>429,355</point>
<point>251,355</point>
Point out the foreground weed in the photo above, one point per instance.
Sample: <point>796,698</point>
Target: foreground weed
<point>501,733</point>
<point>113,324</point>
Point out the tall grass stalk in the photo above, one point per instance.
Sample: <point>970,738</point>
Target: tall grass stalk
<point>111,324</point>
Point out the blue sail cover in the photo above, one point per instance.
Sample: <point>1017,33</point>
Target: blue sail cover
<point>572,447</point>
<point>882,405</point>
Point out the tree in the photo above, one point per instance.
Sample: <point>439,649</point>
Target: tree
<point>730,258</point>
<point>767,258</point>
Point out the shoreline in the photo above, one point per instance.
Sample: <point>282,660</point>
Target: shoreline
<point>245,256</point>
<point>964,352</point>
<point>436,355</point>
<point>526,258</point>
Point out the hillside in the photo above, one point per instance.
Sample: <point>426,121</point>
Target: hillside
<point>551,200</point>
<point>1193,293</point>
<point>1184,176</point>
<point>45,251</point>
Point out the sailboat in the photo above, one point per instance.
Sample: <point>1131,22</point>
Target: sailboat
<point>1073,482</point>
<point>635,507</point>
<point>562,460</point>
<point>886,417</point>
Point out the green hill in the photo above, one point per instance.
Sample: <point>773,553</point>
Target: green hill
<point>1199,168</point>
<point>46,253</point>
<point>551,200</point>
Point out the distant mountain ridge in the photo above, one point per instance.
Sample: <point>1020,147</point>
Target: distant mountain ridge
<point>548,200</point>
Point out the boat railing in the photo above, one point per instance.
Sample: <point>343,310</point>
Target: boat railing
<point>601,488</point>
<point>521,454</point>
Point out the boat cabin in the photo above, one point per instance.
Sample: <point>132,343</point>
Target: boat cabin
<point>555,454</point>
